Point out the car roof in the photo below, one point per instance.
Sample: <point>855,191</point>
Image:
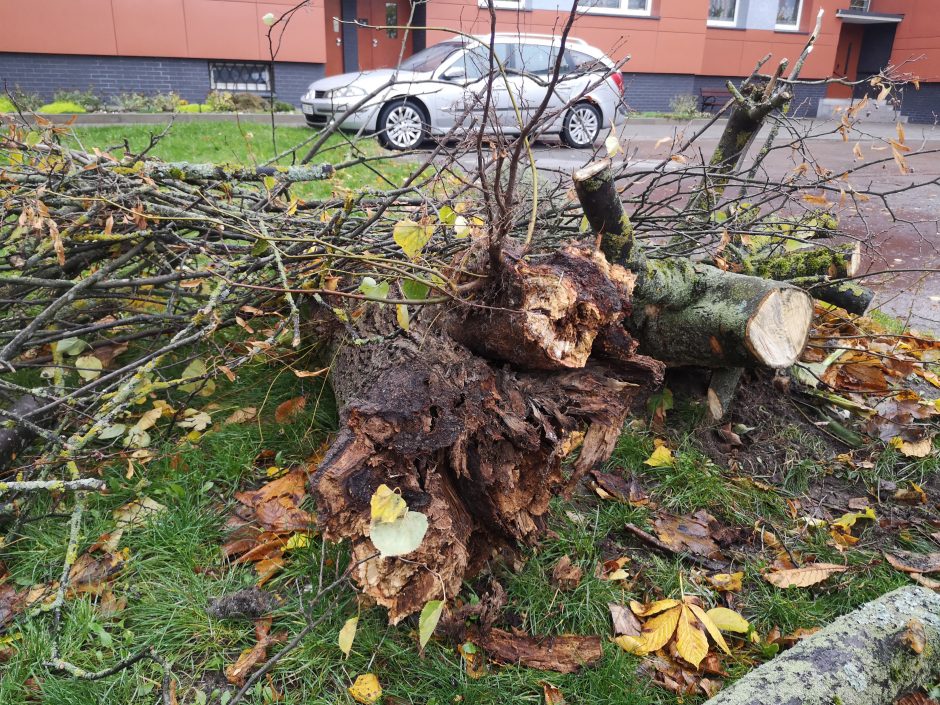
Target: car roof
<point>575,43</point>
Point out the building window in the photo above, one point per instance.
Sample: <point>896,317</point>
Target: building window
<point>391,19</point>
<point>640,8</point>
<point>239,76</point>
<point>723,13</point>
<point>502,4</point>
<point>788,14</point>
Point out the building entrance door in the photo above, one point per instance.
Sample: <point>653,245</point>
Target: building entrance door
<point>381,48</point>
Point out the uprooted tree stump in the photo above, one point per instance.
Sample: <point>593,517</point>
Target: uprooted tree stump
<point>867,657</point>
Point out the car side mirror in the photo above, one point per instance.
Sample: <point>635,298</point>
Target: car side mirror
<point>454,73</point>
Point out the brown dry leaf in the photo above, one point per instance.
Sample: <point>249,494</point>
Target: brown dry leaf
<point>816,200</point>
<point>616,487</point>
<point>137,513</point>
<point>928,583</point>
<point>10,603</point>
<point>311,373</point>
<point>612,569</point>
<point>91,573</point>
<point>689,534</point>
<point>918,698</point>
<point>911,495</point>
<point>249,413</point>
<point>916,449</point>
<point>910,562</point>
<point>566,653</point>
<point>553,696</point>
<point>857,151</point>
<point>803,577</point>
<point>726,582</point>
<point>915,636</point>
<point>249,658</point>
<point>625,624</point>
<point>289,409</point>
<point>566,575</point>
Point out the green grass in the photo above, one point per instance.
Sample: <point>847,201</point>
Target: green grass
<point>251,143</point>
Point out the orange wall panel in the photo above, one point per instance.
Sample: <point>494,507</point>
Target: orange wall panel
<point>57,26</point>
<point>918,35</point>
<point>303,39</point>
<point>151,28</point>
<point>226,28</point>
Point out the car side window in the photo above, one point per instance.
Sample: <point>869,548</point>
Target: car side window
<point>579,62</point>
<point>532,58</point>
<point>477,60</point>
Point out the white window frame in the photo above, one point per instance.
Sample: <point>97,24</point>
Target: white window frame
<point>726,23</point>
<point>621,11</point>
<point>504,4</point>
<point>799,18</point>
<point>236,86</point>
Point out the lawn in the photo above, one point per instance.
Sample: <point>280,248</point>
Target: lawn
<point>172,562</point>
<point>251,143</point>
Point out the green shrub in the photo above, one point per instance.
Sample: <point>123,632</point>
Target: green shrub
<point>86,99</point>
<point>684,105</point>
<point>220,102</point>
<point>282,107</point>
<point>61,107</point>
<point>165,102</point>
<point>6,105</point>
<point>250,103</point>
<point>192,108</point>
<point>25,100</point>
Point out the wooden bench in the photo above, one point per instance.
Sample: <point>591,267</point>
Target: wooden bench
<point>714,98</point>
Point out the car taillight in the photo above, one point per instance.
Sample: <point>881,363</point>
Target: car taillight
<point>618,80</point>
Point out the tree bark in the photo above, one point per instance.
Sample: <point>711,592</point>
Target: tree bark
<point>476,443</point>
<point>862,658</point>
<point>686,313</point>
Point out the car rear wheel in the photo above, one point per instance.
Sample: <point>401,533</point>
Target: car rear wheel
<point>402,125</point>
<point>581,126</point>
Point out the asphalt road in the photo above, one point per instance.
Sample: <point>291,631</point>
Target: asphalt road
<point>908,240</point>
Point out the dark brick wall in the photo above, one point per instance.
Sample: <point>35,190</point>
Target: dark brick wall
<point>654,92</point>
<point>921,106</point>
<point>108,75</point>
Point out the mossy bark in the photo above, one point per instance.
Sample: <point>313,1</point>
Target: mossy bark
<point>862,658</point>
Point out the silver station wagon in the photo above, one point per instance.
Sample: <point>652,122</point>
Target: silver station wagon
<point>441,90</point>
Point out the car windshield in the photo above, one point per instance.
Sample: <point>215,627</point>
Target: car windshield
<point>432,57</point>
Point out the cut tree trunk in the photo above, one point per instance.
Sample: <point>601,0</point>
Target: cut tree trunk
<point>686,313</point>
<point>477,443</point>
<point>866,657</point>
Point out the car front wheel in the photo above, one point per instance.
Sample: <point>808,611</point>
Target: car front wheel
<point>402,125</point>
<point>581,126</point>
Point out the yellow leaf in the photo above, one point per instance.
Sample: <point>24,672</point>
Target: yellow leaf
<point>726,582</point>
<point>411,237</point>
<point>387,506</point>
<point>710,627</point>
<point>728,620</point>
<point>691,642</point>
<point>916,449</point>
<point>641,610</point>
<point>297,541</point>
<point>366,689</point>
<point>347,635</point>
<point>803,577</point>
<point>659,630</point>
<point>631,644</point>
<point>847,521</point>
<point>816,200</point>
<point>857,151</point>
<point>401,315</point>
<point>661,458</point>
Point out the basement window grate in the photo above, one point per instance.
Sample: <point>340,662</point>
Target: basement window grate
<point>239,76</point>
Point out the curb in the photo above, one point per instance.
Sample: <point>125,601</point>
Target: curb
<point>103,119</point>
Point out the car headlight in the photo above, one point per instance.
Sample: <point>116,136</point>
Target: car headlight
<point>348,92</point>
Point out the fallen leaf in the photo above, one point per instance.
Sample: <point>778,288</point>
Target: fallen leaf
<point>566,575</point>
<point>314,373</point>
<point>366,689</point>
<point>728,620</point>
<point>910,562</point>
<point>918,698</point>
<point>661,458</point>
<point>689,534</point>
<point>427,622</point>
<point>347,635</point>
<point>915,636</point>
<point>566,653</point>
<point>553,695</point>
<point>289,409</point>
<point>387,505</point>
<point>726,582</point>
<point>624,622</point>
<point>928,583</point>
<point>803,577</point>
<point>691,642</point>
<point>137,513</point>
<point>249,413</point>
<point>911,495</point>
<point>916,449</point>
<point>399,537</point>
